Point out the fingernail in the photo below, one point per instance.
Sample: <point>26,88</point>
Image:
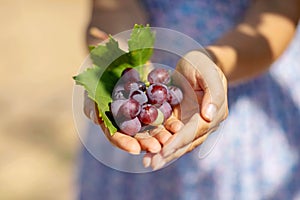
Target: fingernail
<point>134,151</point>
<point>159,165</point>
<point>211,111</point>
<point>92,116</point>
<point>167,152</point>
<point>146,162</point>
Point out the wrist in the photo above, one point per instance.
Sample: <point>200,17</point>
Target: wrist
<point>224,57</point>
<point>210,50</point>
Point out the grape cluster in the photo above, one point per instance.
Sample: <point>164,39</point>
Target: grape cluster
<point>137,105</point>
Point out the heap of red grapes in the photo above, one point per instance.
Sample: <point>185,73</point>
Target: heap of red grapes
<point>137,105</point>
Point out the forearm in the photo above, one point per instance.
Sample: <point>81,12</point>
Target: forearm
<point>259,40</point>
<point>114,16</point>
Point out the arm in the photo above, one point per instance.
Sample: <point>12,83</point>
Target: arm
<point>242,53</point>
<point>256,42</point>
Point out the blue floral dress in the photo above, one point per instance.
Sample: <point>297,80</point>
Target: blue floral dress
<point>257,156</point>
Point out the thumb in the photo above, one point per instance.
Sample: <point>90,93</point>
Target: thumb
<point>209,79</point>
<point>90,109</point>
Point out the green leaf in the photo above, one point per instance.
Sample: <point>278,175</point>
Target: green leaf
<point>109,62</point>
<point>90,79</point>
<point>141,44</point>
<point>108,54</point>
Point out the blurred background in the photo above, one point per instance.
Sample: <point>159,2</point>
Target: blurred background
<point>41,47</point>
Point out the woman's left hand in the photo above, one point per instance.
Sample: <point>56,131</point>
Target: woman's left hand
<point>197,117</point>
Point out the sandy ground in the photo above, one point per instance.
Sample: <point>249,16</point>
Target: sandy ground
<point>41,48</point>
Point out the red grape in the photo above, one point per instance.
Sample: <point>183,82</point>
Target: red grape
<point>175,95</point>
<point>137,106</point>
<point>166,109</point>
<point>130,109</point>
<point>148,114</point>
<point>130,75</point>
<point>115,107</point>
<point>131,86</point>
<point>157,94</point>
<point>142,85</point>
<point>159,75</point>
<point>139,96</point>
<point>130,127</point>
<point>119,92</point>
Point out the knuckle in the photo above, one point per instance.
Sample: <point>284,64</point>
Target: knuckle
<point>219,95</point>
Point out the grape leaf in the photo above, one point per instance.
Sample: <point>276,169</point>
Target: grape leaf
<point>141,44</point>
<point>89,79</point>
<point>109,62</point>
<point>109,54</point>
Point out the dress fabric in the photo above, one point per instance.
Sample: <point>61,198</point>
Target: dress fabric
<point>257,156</point>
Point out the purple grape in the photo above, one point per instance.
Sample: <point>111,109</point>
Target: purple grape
<point>166,109</point>
<point>159,75</point>
<point>135,106</point>
<point>139,96</point>
<point>115,107</point>
<point>130,109</point>
<point>157,94</point>
<point>142,85</point>
<point>148,114</point>
<point>130,75</point>
<point>131,86</point>
<point>119,92</point>
<point>175,95</point>
<point>126,70</point>
<point>130,127</point>
<point>118,87</point>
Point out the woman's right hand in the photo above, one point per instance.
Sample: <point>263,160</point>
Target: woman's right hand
<point>133,145</point>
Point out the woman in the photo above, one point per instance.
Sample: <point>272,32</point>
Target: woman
<point>258,156</point>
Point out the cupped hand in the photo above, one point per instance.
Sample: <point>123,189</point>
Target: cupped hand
<point>203,108</point>
<point>133,145</point>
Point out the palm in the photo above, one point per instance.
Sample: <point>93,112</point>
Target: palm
<point>204,86</point>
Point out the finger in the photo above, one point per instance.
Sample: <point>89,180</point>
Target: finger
<point>122,141</point>
<point>88,105</point>
<point>158,160</point>
<point>126,143</point>
<point>148,143</point>
<point>189,105</point>
<point>161,159</point>
<point>147,159</point>
<point>208,76</point>
<point>90,109</point>
<point>214,93</point>
<point>194,128</point>
<point>173,124</point>
<point>199,95</point>
<point>97,33</point>
<point>161,134</point>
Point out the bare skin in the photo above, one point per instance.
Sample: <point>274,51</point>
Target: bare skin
<point>243,53</point>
